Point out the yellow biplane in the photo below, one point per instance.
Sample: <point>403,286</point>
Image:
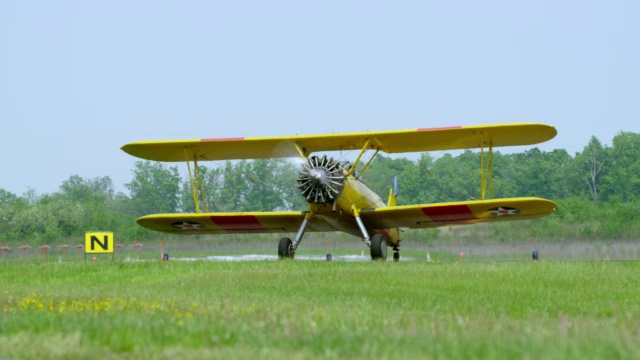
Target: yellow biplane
<point>338,200</point>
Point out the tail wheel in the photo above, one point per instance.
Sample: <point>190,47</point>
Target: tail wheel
<point>285,249</point>
<point>378,247</point>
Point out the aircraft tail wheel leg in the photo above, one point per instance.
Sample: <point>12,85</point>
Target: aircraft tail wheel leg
<point>285,249</point>
<point>378,247</point>
<point>396,253</point>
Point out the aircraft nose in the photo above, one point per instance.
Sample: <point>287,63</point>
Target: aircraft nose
<point>318,176</point>
<point>320,180</point>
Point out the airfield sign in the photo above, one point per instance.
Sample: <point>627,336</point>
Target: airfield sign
<point>98,243</point>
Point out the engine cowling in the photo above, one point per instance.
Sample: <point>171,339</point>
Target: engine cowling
<point>321,180</point>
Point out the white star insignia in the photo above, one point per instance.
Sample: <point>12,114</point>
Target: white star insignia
<point>504,211</point>
<point>187,225</point>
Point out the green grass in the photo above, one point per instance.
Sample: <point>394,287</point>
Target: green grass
<point>315,309</point>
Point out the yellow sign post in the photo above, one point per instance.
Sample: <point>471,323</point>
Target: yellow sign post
<point>98,242</point>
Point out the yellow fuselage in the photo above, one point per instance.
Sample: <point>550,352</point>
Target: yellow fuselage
<point>355,197</point>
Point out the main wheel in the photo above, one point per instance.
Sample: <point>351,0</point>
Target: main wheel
<point>284,249</point>
<point>378,247</point>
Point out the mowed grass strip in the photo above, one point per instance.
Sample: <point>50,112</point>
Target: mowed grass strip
<point>314,309</point>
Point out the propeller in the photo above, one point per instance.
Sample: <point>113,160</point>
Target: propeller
<point>321,179</point>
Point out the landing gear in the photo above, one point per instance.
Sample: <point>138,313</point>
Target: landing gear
<point>285,249</point>
<point>396,253</point>
<point>378,247</point>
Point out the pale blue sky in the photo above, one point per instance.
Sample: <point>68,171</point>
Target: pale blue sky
<point>79,79</point>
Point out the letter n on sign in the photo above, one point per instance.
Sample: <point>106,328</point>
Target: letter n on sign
<point>98,242</point>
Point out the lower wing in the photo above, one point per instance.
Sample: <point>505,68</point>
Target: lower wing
<point>231,223</point>
<point>457,213</point>
<point>409,216</point>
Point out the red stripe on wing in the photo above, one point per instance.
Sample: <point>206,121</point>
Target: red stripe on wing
<point>242,223</point>
<point>440,128</point>
<point>449,213</point>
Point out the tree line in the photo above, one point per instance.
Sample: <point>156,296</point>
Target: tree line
<point>597,189</point>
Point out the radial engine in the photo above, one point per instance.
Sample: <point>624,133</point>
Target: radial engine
<point>321,179</point>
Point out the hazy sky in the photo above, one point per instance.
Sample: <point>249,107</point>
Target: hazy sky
<point>79,79</point>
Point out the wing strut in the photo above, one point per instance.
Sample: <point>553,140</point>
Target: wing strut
<point>197,185</point>
<point>301,151</point>
<point>355,163</point>
<point>364,148</point>
<point>201,183</point>
<point>486,172</point>
<point>367,164</point>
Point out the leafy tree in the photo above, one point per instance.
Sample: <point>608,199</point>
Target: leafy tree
<point>556,165</point>
<point>7,197</point>
<point>266,188</point>
<point>380,174</point>
<point>411,184</point>
<point>260,185</point>
<point>590,164</point>
<point>420,182</point>
<point>530,179</point>
<point>98,189</point>
<point>210,184</point>
<point>534,173</point>
<point>505,176</point>
<point>50,220</point>
<point>76,189</point>
<point>10,205</point>
<point>234,186</point>
<point>154,188</point>
<point>622,180</point>
<point>456,178</point>
<point>288,186</point>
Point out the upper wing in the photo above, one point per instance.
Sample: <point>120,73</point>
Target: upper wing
<point>231,223</point>
<point>399,141</point>
<point>457,213</point>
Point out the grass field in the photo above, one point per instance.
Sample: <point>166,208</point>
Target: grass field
<point>314,309</point>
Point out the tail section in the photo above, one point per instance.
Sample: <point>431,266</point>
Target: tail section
<point>393,194</point>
